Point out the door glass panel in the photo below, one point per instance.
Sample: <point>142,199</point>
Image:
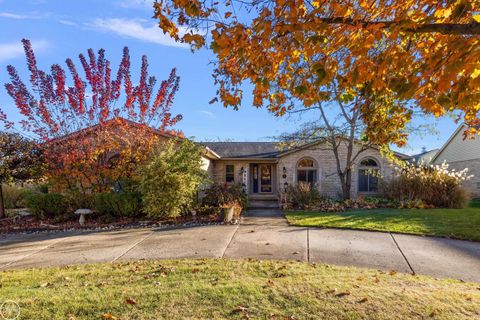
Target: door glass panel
<point>265,179</point>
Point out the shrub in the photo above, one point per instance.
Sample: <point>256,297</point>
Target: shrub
<point>171,178</point>
<point>218,195</point>
<point>12,196</point>
<point>47,205</point>
<point>302,196</point>
<point>426,186</point>
<point>126,204</point>
<point>80,200</point>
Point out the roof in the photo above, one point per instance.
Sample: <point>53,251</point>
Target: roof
<point>113,122</point>
<point>261,150</point>
<point>426,156</point>
<point>244,149</point>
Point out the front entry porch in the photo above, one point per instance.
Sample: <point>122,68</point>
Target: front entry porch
<point>262,186</point>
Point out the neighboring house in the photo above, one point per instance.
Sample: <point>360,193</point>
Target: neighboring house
<point>264,171</point>
<point>425,156</point>
<point>461,154</point>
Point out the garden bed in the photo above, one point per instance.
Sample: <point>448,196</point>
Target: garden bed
<point>31,224</point>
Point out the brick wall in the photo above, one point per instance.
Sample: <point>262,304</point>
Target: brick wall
<point>328,180</point>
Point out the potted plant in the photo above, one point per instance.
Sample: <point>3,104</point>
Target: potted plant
<point>230,211</point>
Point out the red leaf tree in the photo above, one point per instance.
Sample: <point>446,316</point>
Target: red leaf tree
<point>97,126</point>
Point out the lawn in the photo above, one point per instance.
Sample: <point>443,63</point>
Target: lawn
<point>240,289</point>
<point>453,223</point>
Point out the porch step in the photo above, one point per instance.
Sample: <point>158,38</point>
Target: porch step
<point>263,204</point>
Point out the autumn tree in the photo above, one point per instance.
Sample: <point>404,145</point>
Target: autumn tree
<point>94,127</point>
<point>418,54</point>
<point>20,160</point>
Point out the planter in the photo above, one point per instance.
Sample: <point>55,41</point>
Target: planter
<point>229,214</point>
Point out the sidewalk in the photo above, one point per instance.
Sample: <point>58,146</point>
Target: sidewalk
<point>262,234</point>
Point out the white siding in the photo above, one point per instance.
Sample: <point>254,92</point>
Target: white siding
<point>460,150</point>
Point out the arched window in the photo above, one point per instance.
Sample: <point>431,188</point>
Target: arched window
<point>368,175</point>
<point>307,171</point>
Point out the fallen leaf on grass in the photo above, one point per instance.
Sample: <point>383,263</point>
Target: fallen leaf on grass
<point>270,283</point>
<point>109,316</point>
<point>243,310</point>
<point>195,270</point>
<point>392,273</point>
<point>363,300</point>
<point>46,284</point>
<point>240,309</point>
<point>131,301</point>
<point>343,294</point>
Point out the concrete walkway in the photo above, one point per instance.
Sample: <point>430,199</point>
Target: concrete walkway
<point>262,234</point>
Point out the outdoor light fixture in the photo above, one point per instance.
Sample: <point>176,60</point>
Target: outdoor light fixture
<point>242,170</point>
<point>285,185</point>
<point>284,173</point>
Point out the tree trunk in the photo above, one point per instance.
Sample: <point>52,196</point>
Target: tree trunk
<point>346,181</point>
<point>2,204</point>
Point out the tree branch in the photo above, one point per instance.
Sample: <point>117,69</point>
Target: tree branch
<point>443,28</point>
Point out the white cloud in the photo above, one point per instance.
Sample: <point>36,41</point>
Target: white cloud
<point>208,113</point>
<point>136,4</point>
<point>135,29</point>
<point>14,16</point>
<point>29,16</point>
<point>67,22</point>
<point>14,50</point>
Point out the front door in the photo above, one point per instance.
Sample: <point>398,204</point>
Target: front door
<point>265,178</point>
<point>262,181</point>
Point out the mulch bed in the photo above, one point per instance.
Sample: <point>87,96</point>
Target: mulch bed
<point>31,224</point>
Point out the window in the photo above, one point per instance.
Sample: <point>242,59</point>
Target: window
<point>368,176</point>
<point>307,171</point>
<point>229,173</point>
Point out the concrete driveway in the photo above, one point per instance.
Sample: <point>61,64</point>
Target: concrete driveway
<point>261,235</point>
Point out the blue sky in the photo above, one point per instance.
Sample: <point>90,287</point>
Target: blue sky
<point>60,29</point>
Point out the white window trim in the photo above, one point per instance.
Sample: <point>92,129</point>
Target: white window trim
<point>360,167</point>
<point>315,167</point>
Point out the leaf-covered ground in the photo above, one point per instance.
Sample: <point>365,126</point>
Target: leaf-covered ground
<point>241,289</point>
<point>454,223</point>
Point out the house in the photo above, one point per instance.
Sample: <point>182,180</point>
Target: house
<point>461,153</point>
<point>264,171</point>
<point>260,167</point>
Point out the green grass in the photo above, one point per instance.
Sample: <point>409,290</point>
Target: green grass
<point>239,289</point>
<point>453,223</point>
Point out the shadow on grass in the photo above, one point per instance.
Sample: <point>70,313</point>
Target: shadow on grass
<point>461,224</point>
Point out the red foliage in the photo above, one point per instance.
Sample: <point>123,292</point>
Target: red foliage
<point>61,112</point>
<point>54,106</point>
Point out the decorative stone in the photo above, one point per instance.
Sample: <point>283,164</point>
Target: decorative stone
<point>82,213</point>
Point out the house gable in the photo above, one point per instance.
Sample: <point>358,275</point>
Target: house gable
<point>457,149</point>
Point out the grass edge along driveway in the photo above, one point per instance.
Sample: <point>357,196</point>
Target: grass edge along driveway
<point>461,224</point>
<point>239,289</point>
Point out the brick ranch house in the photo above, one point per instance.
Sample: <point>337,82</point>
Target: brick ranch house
<point>264,171</point>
